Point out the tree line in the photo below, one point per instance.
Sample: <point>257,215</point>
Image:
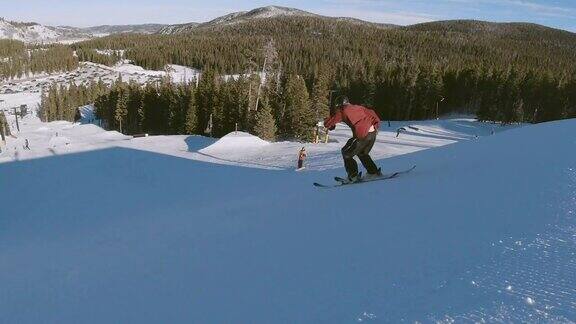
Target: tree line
<point>282,106</point>
<point>215,106</point>
<point>509,73</point>
<point>18,60</point>
<point>61,101</point>
<point>91,55</point>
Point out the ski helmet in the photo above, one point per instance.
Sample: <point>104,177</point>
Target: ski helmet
<point>345,101</point>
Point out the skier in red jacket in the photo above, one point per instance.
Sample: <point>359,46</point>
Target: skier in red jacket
<point>364,124</point>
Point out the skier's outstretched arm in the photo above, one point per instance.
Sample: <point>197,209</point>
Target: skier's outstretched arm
<point>330,122</point>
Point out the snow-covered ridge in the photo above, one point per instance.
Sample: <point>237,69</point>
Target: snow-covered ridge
<point>36,33</point>
<point>177,29</point>
<point>239,17</point>
<point>259,13</point>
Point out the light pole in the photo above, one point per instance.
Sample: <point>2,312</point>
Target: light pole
<point>437,104</point>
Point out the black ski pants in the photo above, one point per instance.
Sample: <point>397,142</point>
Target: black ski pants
<point>360,148</point>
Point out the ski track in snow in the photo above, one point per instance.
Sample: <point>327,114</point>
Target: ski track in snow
<point>533,280</point>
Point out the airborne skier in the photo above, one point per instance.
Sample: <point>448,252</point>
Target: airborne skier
<point>364,124</point>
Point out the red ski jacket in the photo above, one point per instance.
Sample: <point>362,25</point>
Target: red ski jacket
<point>358,118</point>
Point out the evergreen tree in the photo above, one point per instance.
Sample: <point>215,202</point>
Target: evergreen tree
<point>206,96</point>
<point>321,95</point>
<point>134,117</point>
<point>518,111</point>
<point>121,110</point>
<point>43,110</point>
<point>153,112</point>
<point>299,119</point>
<point>265,126</point>
<point>191,113</point>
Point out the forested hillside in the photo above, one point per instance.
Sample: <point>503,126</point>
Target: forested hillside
<point>512,72</point>
<point>17,59</point>
<point>505,72</point>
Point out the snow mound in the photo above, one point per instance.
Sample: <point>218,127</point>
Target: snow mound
<point>112,135</point>
<point>236,142</point>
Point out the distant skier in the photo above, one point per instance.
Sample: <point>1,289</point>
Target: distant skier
<point>364,124</point>
<point>301,157</point>
<point>26,144</point>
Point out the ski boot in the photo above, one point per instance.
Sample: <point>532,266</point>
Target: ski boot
<point>349,179</point>
<point>356,178</point>
<point>370,176</point>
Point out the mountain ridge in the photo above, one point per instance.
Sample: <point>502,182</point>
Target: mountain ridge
<point>275,12</point>
<point>268,12</point>
<point>34,33</point>
<point>473,25</point>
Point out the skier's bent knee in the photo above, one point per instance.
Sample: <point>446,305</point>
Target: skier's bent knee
<point>347,154</point>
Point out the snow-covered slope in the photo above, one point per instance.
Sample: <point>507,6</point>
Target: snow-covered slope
<point>483,230</point>
<point>177,29</point>
<point>27,33</point>
<point>258,13</point>
<point>36,33</point>
<point>237,148</point>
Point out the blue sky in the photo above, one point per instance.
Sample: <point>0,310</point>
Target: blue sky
<point>554,13</point>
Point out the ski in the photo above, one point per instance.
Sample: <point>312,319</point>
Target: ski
<point>343,182</point>
<point>346,181</point>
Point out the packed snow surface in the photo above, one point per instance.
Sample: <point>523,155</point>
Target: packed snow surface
<point>237,148</point>
<point>236,142</point>
<point>101,227</point>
